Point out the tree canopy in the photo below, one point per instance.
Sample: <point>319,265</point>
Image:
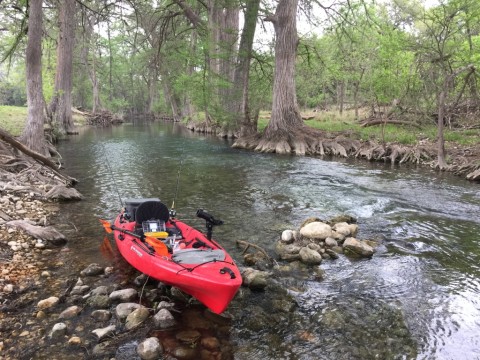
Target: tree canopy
<point>217,60</point>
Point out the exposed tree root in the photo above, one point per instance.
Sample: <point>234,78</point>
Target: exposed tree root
<point>314,143</point>
<point>33,175</point>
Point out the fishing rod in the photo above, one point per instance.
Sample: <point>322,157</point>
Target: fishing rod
<point>111,174</point>
<point>173,212</point>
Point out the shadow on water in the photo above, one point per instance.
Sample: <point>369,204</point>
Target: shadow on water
<point>416,298</point>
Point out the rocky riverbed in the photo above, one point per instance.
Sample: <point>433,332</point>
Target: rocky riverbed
<point>105,312</point>
<point>95,312</point>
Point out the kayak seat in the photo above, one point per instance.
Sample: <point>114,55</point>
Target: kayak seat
<point>196,256</point>
<point>151,210</point>
<point>131,206</point>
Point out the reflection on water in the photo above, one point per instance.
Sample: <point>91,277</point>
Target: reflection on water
<point>417,298</point>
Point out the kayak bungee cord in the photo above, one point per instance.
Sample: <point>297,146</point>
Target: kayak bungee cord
<point>190,269</point>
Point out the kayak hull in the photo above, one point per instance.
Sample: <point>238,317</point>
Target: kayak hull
<point>200,267</point>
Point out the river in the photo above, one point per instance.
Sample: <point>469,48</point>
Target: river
<point>417,298</point>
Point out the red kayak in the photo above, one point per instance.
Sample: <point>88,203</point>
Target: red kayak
<point>168,250</point>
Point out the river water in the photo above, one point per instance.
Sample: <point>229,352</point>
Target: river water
<point>417,298</point>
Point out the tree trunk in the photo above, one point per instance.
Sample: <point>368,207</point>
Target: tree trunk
<point>239,107</point>
<point>96,103</point>
<point>110,65</point>
<point>441,107</point>
<point>340,96</point>
<point>33,135</point>
<point>286,133</point>
<point>90,69</point>
<point>61,104</point>
<point>285,112</point>
<point>189,109</point>
<point>440,141</point>
<point>171,100</point>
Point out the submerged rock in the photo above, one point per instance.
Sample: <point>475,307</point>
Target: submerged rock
<point>124,295</point>
<point>136,317</point>
<point>163,319</point>
<point>124,309</point>
<point>70,312</point>
<point>59,330</point>
<point>150,349</point>
<point>310,256</point>
<point>104,332</point>
<point>254,279</point>
<point>354,247</point>
<point>48,303</point>
<point>92,270</point>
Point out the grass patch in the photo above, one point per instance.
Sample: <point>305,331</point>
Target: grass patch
<point>13,118</point>
<point>333,122</point>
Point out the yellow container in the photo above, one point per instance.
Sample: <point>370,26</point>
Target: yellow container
<point>157,234</point>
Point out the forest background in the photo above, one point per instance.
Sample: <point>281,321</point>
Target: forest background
<point>241,67</point>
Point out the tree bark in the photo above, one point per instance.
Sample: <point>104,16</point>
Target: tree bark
<point>285,112</point>
<point>90,69</point>
<point>440,141</point>
<point>442,113</point>
<point>61,103</point>
<point>239,108</point>
<point>33,135</point>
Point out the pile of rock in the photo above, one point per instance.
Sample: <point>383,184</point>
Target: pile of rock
<point>317,240</point>
<point>21,253</point>
<point>107,317</point>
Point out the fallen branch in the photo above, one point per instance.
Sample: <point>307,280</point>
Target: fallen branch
<point>388,121</point>
<point>248,245</point>
<point>36,156</point>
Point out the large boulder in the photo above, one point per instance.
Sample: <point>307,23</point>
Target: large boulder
<point>316,231</point>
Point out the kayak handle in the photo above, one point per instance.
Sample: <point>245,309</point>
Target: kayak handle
<point>230,272</point>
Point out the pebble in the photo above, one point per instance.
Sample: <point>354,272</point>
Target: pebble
<point>47,303</point>
<point>70,312</point>
<point>58,330</point>
<point>163,319</point>
<point>104,332</point>
<point>136,317</point>
<point>150,349</point>
<point>74,340</point>
<point>124,295</point>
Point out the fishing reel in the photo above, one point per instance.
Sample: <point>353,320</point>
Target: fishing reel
<point>211,222</point>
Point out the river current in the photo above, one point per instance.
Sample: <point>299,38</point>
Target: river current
<point>417,298</point>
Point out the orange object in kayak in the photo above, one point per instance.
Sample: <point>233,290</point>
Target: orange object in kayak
<point>186,258</point>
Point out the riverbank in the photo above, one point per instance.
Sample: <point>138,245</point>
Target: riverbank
<point>343,136</point>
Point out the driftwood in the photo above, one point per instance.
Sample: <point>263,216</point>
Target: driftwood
<point>36,156</point>
<point>63,193</point>
<point>248,245</point>
<point>376,121</point>
<point>103,118</point>
<point>47,233</point>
